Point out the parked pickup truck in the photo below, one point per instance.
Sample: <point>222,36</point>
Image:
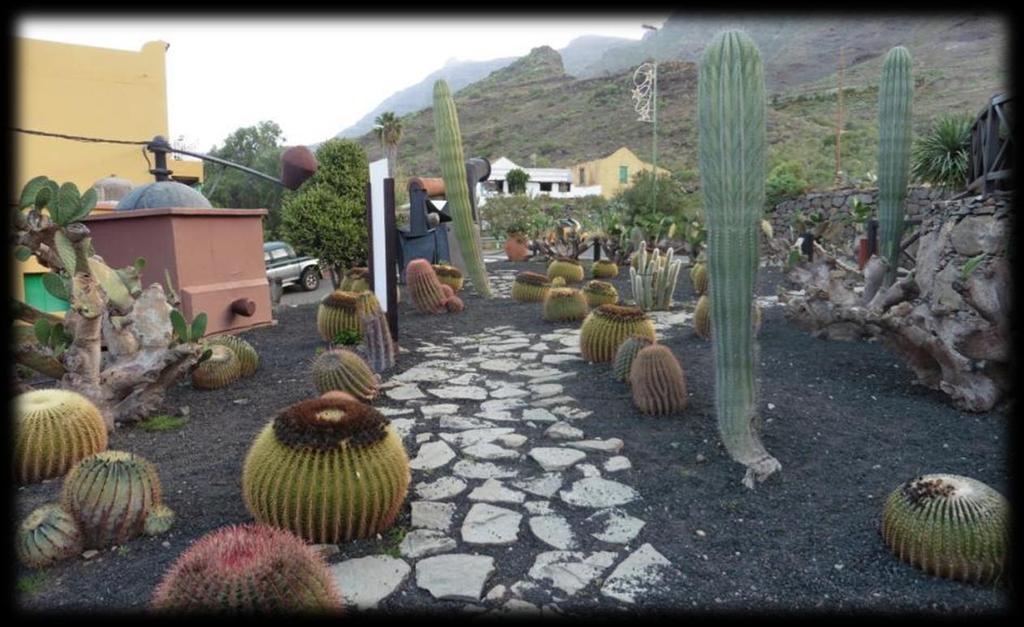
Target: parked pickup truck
<point>282,263</point>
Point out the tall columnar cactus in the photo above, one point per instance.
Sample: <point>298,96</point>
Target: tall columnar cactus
<point>456,187</point>
<point>569,269</point>
<point>248,358</point>
<point>699,278</point>
<point>564,304</point>
<point>604,269</point>
<point>624,357</point>
<point>47,535</point>
<point>530,287</point>
<point>658,382</point>
<point>731,121</point>
<point>111,496</point>
<point>600,293</point>
<point>949,526</point>
<point>654,279</point>
<point>702,317</point>
<point>607,327</point>
<point>449,275</point>
<point>248,569</point>
<point>380,348</point>
<point>327,470</point>
<point>342,369</point>
<point>220,370</point>
<point>53,430</point>
<point>425,288</point>
<point>895,106</point>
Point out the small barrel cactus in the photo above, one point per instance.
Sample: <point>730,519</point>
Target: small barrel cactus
<point>328,470</point>
<point>425,288</point>
<point>600,293</point>
<point>111,495</point>
<point>702,317</point>
<point>699,278</point>
<point>558,281</point>
<point>607,327</point>
<point>356,280</point>
<point>47,535</point>
<point>564,304</point>
<point>530,287</point>
<point>449,275</point>
<point>342,369</point>
<point>604,269</point>
<point>452,302</point>
<point>624,357</point>
<point>340,310</point>
<point>221,369</point>
<point>54,429</point>
<point>248,358</point>
<point>248,569</point>
<point>569,269</point>
<point>949,526</point>
<point>659,385</point>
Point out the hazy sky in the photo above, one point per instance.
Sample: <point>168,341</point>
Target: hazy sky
<point>313,76</point>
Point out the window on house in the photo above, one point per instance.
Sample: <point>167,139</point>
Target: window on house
<point>623,173</point>
<point>563,187</point>
<point>545,187</point>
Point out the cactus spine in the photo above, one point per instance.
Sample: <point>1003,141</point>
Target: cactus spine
<point>564,304</point>
<point>250,568</point>
<point>379,346</point>
<point>47,535</point>
<point>530,287</point>
<point>607,327</point>
<point>53,430</point>
<point>731,121</point>
<point>626,354</point>
<point>342,369</point>
<point>895,105</point>
<point>111,495</point>
<point>327,470</point>
<point>453,170</point>
<point>654,279</point>
<point>658,382</point>
<point>600,293</point>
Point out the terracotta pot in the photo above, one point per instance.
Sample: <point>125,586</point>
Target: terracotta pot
<point>516,248</point>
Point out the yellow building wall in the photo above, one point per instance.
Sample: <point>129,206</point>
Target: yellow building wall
<point>605,172</point>
<point>90,92</point>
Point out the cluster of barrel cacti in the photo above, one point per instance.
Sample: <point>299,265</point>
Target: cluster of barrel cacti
<point>328,470</point>
<point>571,270</point>
<point>344,370</point>
<point>429,294</point>
<point>248,569</point>
<point>653,279</point>
<point>53,430</point>
<point>564,304</point>
<point>230,359</point>
<point>449,275</point>
<point>604,269</point>
<point>608,326</point>
<point>530,287</point>
<point>600,293</point>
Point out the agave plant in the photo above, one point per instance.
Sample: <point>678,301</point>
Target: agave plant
<point>940,157</point>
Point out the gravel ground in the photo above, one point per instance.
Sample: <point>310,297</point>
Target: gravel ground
<point>845,420</point>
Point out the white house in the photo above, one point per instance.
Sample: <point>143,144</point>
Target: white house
<point>554,182</point>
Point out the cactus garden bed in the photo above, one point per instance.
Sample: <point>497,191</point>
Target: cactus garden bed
<point>845,420</point>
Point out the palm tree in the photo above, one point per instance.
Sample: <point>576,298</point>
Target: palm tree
<point>388,128</point>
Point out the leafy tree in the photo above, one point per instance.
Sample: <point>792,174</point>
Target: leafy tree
<point>517,179</point>
<point>326,217</point>
<point>940,157</point>
<point>258,147</point>
<point>670,199</point>
<point>388,128</point>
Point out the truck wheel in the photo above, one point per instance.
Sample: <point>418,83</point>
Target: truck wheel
<point>309,279</point>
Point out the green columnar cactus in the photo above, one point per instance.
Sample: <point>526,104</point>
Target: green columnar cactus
<point>424,286</point>
<point>381,350</point>
<point>731,121</point>
<point>248,358</point>
<point>220,370</point>
<point>895,106</point>
<point>327,470</point>
<point>456,187</point>
<point>604,269</point>
<point>248,569</point>
<point>53,430</point>
<point>111,495</point>
<point>341,369</point>
<point>658,382</point>
<point>702,318</point>
<point>600,293</point>
<point>356,280</point>
<point>449,275</point>
<point>654,279</point>
<point>452,302</point>
<point>530,287</point>
<point>624,357</point>
<point>607,327</point>
<point>47,535</point>
<point>564,304</point>
<point>949,526</point>
<point>569,269</point>
<point>699,278</point>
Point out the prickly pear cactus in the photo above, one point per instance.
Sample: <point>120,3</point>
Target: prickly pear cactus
<point>54,429</point>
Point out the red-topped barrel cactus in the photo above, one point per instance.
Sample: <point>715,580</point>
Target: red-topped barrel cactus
<point>658,382</point>
<point>54,429</point>
<point>452,302</point>
<point>608,326</point>
<point>248,569</point>
<point>530,287</point>
<point>424,287</point>
<point>328,470</point>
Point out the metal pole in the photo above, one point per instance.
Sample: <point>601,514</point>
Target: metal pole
<point>654,138</point>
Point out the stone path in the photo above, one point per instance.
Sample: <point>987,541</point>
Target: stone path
<point>500,454</point>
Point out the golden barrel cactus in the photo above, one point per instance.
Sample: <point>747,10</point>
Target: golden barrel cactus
<point>53,430</point>
<point>342,310</point>
<point>221,369</point>
<point>658,381</point>
<point>530,287</point>
<point>449,275</point>
<point>342,369</point>
<point>600,293</point>
<point>248,358</point>
<point>699,278</point>
<point>604,269</point>
<point>328,470</point>
<point>702,317</point>
<point>569,269</point>
<point>564,304</point>
<point>608,326</point>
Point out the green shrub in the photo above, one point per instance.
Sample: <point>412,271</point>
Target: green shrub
<point>517,179</point>
<point>940,156</point>
<point>786,180</point>
<point>512,214</point>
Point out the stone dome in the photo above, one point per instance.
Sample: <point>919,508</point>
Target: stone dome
<point>162,194</point>
<point>112,188</point>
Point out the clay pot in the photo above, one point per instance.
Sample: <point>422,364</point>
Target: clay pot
<point>516,247</point>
